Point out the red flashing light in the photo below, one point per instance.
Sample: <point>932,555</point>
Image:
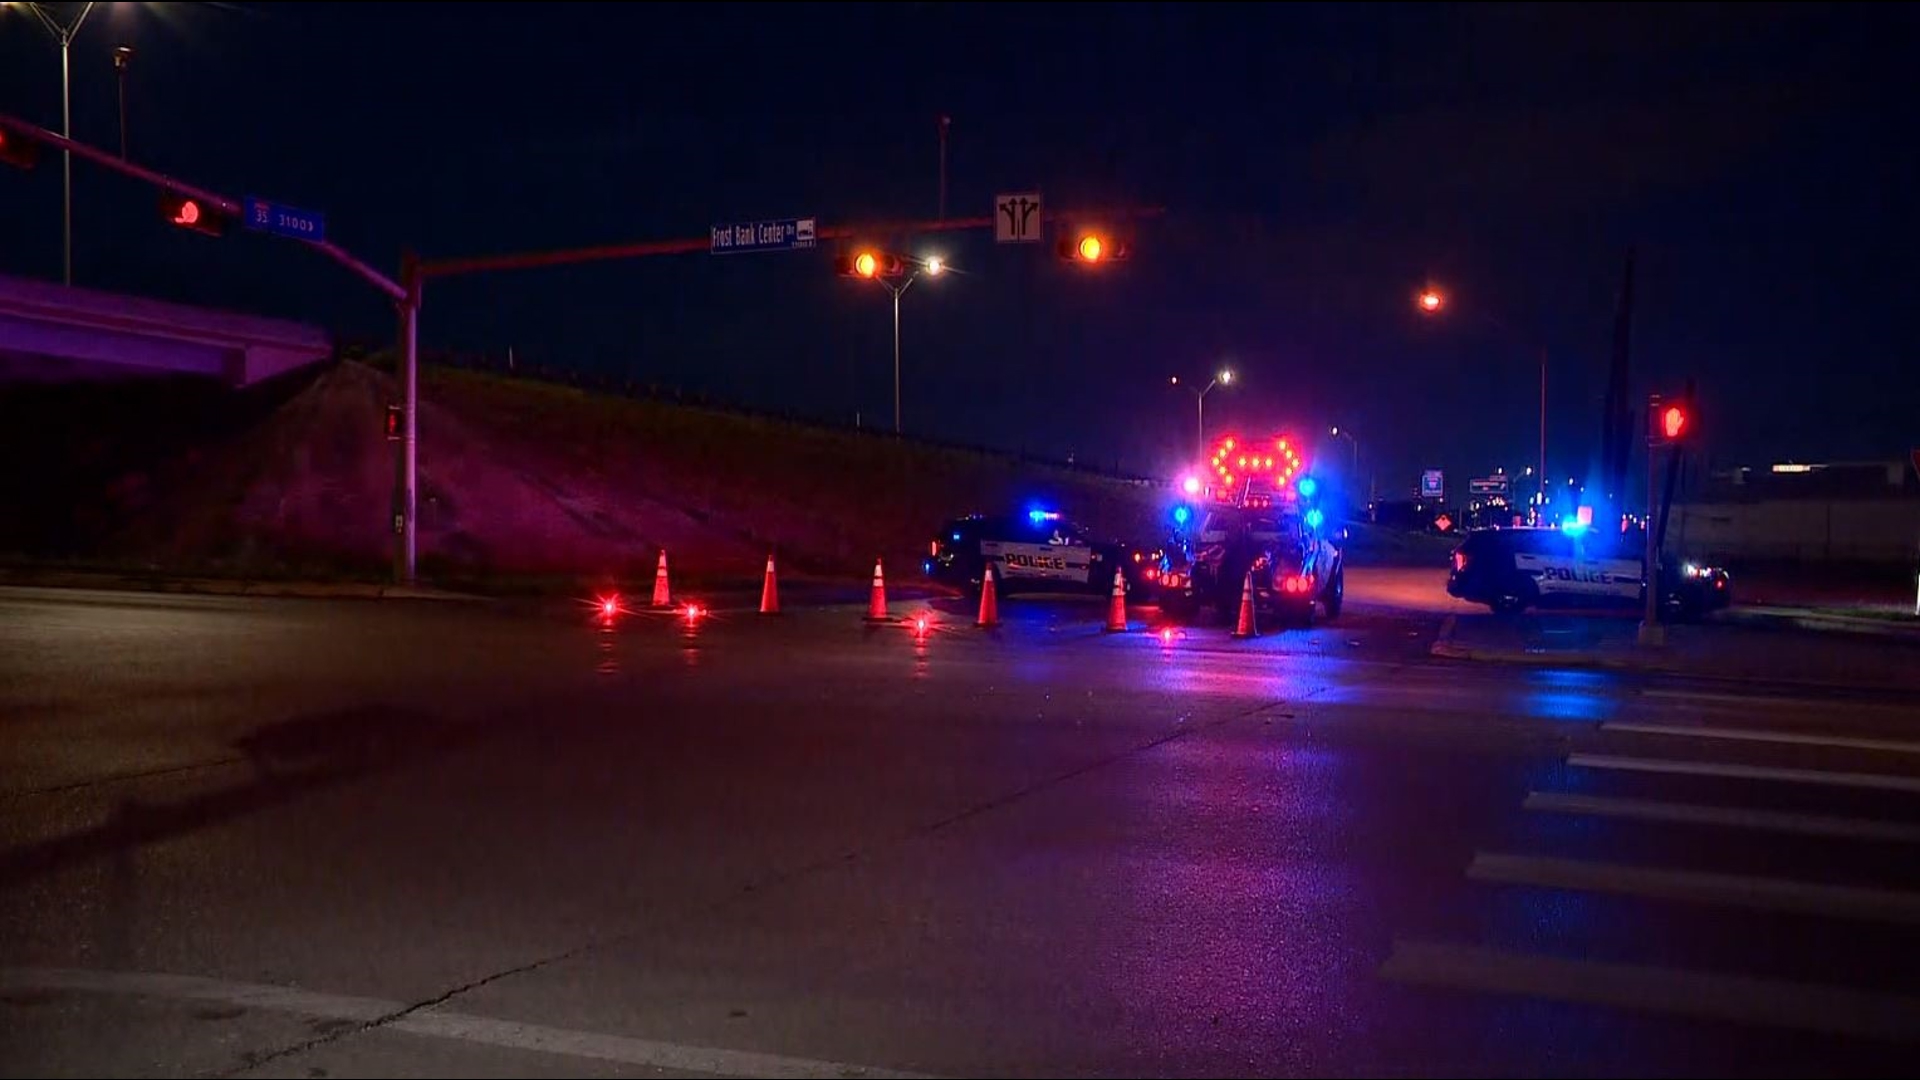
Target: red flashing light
<point>188,212</point>
<point>609,606</point>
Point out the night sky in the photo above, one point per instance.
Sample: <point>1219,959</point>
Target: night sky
<point>1319,164</point>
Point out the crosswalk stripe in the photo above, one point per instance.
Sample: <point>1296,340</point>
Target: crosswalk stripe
<point>1797,738</point>
<point>1731,890</point>
<point>1737,817</point>
<point>1673,991</point>
<point>1875,781</point>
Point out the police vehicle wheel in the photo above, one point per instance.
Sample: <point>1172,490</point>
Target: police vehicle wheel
<point>1516,603</point>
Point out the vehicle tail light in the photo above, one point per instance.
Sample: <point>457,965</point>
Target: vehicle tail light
<point>1459,561</point>
<point>1153,573</point>
<point>1294,583</point>
<point>933,549</point>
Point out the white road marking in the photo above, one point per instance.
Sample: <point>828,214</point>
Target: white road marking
<point>1874,781</point>
<point>1735,817</point>
<point>1767,701</point>
<point>1731,890</point>
<point>438,1023</point>
<point>1701,995</point>
<point>1797,738</point>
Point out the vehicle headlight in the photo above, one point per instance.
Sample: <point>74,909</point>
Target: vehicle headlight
<point>1693,570</point>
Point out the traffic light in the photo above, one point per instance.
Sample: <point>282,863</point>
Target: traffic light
<point>1669,422</point>
<point>395,417</point>
<point>17,150</point>
<point>1090,246</point>
<point>868,263</point>
<point>190,212</point>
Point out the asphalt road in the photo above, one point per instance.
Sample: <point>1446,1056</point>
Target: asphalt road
<point>316,838</point>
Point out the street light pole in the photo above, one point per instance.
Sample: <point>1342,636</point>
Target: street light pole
<point>897,293</point>
<point>1430,301</point>
<point>122,56</point>
<point>64,35</point>
<point>1225,378</point>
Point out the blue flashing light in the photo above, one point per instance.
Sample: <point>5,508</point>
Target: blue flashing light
<point>1572,526</point>
<point>1040,517</point>
<point>956,538</point>
<point>1307,486</point>
<point>1315,518</point>
<point>1181,514</point>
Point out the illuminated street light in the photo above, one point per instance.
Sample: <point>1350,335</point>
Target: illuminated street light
<point>1225,378</point>
<point>64,33</point>
<point>882,267</point>
<point>1431,300</point>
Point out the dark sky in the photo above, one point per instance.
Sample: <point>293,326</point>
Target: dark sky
<point>1317,163</point>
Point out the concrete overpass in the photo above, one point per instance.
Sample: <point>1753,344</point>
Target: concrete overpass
<point>50,331</point>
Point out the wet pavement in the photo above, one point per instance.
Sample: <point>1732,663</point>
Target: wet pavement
<point>248,836</point>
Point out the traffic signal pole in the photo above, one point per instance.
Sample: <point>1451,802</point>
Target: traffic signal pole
<point>407,293</point>
<point>1652,634</point>
<point>406,297</point>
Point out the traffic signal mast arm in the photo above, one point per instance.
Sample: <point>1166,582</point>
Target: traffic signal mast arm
<point>478,264</point>
<point>166,183</point>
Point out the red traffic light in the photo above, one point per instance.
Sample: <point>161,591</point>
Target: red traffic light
<point>868,263</point>
<point>1673,421</point>
<point>1091,246</point>
<point>17,150</point>
<point>1669,421</point>
<point>189,212</point>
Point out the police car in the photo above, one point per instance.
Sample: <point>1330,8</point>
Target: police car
<point>1037,551</point>
<point>1259,520</point>
<point>1511,570</point>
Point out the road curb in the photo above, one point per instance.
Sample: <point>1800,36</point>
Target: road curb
<point>292,590</point>
<point>1768,618</point>
<point>1446,648</point>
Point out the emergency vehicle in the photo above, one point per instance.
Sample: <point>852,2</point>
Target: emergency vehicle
<point>1256,516</point>
<point>1036,551</point>
<point>1575,566</point>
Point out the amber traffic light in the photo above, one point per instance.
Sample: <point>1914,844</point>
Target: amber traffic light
<point>868,263</point>
<point>1091,246</point>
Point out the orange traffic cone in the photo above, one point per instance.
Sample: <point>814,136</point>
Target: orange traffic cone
<point>989,604</point>
<point>662,595</point>
<point>877,604</point>
<point>1117,608</point>
<point>1246,627</point>
<point>770,591</point>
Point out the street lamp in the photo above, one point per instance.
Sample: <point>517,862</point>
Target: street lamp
<point>122,56</point>
<point>1431,301</point>
<point>876,267</point>
<point>1225,378</point>
<point>1353,469</point>
<point>64,34</point>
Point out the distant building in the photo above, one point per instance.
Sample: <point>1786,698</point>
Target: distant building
<point>1861,512</point>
